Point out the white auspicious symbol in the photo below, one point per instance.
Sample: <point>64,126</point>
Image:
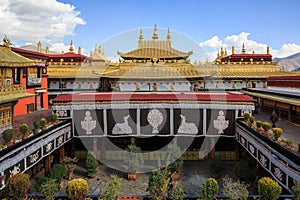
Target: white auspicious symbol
<point>155,119</point>
<point>61,113</point>
<point>34,157</point>
<point>60,140</point>
<point>69,134</point>
<point>243,141</point>
<point>88,123</point>
<point>49,146</point>
<point>278,173</point>
<point>187,128</point>
<point>16,170</point>
<point>221,124</point>
<point>263,160</point>
<point>122,128</point>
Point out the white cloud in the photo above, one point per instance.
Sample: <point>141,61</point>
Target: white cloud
<point>32,20</point>
<point>215,43</point>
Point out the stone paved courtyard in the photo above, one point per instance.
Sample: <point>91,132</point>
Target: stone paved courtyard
<point>191,174</point>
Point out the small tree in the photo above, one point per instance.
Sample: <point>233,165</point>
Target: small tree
<point>50,188</point>
<point>23,129</point>
<point>268,188</point>
<point>111,192</point>
<point>251,119</point>
<point>174,156</point>
<point>216,164</point>
<point>18,185</point>
<point>91,164</point>
<point>43,122</point>
<point>57,172</point>
<point>40,182</point>
<point>133,159</point>
<point>266,126</point>
<point>53,118</point>
<point>246,116</point>
<point>277,133</point>
<point>176,191</point>
<point>36,126</point>
<point>210,188</point>
<point>258,124</point>
<point>158,184</point>
<point>243,171</point>
<point>7,135</point>
<point>234,190</point>
<point>77,189</point>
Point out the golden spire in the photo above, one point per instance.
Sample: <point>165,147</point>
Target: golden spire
<point>222,52</point>
<point>169,34</point>
<point>225,52</point>
<point>155,36</point>
<point>268,50</point>
<point>243,49</point>
<point>141,34</point>
<point>253,52</point>
<point>232,50</point>
<point>71,46</point>
<point>6,41</point>
<point>79,50</point>
<point>218,54</point>
<point>39,46</point>
<point>47,49</point>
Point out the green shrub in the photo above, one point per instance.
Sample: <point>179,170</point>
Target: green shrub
<point>43,122</point>
<point>50,188</point>
<point>158,184</point>
<point>23,128</point>
<point>176,192</point>
<point>210,188</point>
<point>243,171</point>
<point>266,126</point>
<point>216,164</point>
<point>174,156</point>
<point>77,189</point>
<point>134,158</point>
<point>111,192</point>
<point>7,135</point>
<point>18,185</point>
<point>296,190</point>
<point>268,188</point>
<point>58,172</point>
<point>91,164</point>
<point>246,116</point>
<point>258,124</point>
<point>53,117</point>
<point>234,189</point>
<point>40,182</point>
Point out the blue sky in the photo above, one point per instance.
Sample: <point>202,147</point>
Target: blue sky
<point>212,24</point>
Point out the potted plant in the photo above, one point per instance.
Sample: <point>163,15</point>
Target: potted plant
<point>40,182</point>
<point>53,118</point>
<point>49,189</point>
<point>111,192</point>
<point>91,165</point>
<point>7,136</point>
<point>43,123</point>
<point>18,185</point>
<point>24,130</point>
<point>250,120</point>
<point>210,188</point>
<point>176,191</point>
<point>266,126</point>
<point>268,188</point>
<point>77,189</point>
<point>277,133</point>
<point>258,125</point>
<point>17,139</point>
<point>134,160</point>
<point>234,189</point>
<point>70,165</point>
<point>174,156</point>
<point>246,116</point>
<point>36,126</point>
<point>58,171</point>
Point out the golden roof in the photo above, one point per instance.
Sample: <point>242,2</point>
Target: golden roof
<point>158,53</point>
<point>8,58</point>
<point>13,93</point>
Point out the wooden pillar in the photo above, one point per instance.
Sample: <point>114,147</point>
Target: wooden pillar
<point>61,154</point>
<point>47,164</point>
<point>95,148</point>
<point>72,147</point>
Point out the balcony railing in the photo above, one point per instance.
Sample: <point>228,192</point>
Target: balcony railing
<point>34,81</point>
<point>12,89</point>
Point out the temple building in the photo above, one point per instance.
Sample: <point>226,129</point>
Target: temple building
<point>12,84</point>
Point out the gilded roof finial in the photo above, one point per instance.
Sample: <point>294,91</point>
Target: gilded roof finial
<point>155,36</point>
<point>39,46</point>
<point>268,50</point>
<point>169,34</point>
<point>232,50</point>
<point>253,52</point>
<point>6,41</point>
<point>243,49</point>
<point>222,51</point>
<point>71,46</point>
<point>47,49</point>
<point>141,34</point>
<point>79,50</point>
<point>218,54</point>
<point>225,52</point>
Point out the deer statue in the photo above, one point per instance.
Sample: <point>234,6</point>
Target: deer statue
<point>187,128</point>
<point>122,128</point>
